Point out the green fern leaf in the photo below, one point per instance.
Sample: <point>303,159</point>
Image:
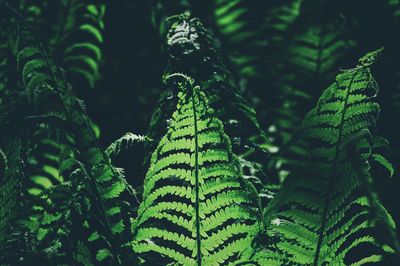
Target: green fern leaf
<point>235,112</point>
<point>323,212</point>
<point>82,53</point>
<point>196,209</point>
<point>384,162</point>
<point>124,142</point>
<point>98,185</point>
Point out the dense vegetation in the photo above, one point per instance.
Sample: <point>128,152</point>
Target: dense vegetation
<point>225,132</point>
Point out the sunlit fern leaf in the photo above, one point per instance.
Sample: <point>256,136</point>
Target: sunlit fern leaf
<point>196,208</point>
<point>322,214</point>
<point>82,46</point>
<point>192,51</point>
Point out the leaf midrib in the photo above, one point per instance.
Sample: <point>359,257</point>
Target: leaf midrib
<point>196,174</point>
<point>334,170</point>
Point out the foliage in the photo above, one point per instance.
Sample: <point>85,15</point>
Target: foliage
<point>234,169</point>
<point>330,187</point>
<point>196,208</point>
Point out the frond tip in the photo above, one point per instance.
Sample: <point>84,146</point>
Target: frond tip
<point>125,142</point>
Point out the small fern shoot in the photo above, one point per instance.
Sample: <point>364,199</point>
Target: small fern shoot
<point>124,143</point>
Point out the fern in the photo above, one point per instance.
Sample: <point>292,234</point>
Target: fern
<point>124,142</point>
<point>192,51</point>
<point>323,212</point>
<point>313,52</point>
<point>110,194</point>
<point>44,159</point>
<point>196,209</point>
<point>82,53</point>
<point>211,196</point>
<point>14,246</point>
<point>188,40</point>
<point>251,32</point>
<point>239,23</point>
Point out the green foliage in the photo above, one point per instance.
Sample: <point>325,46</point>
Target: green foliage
<point>241,28</point>
<point>82,53</point>
<point>97,187</point>
<point>124,143</point>
<point>325,211</point>
<point>235,112</point>
<point>196,209</point>
<point>43,161</point>
<point>312,56</point>
<point>211,73</point>
<point>218,189</point>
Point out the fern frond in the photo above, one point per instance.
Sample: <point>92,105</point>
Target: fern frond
<point>44,160</point>
<point>82,53</point>
<point>313,52</point>
<point>384,162</point>
<point>108,186</point>
<point>124,143</point>
<point>196,208</point>
<point>323,214</point>
<point>192,51</point>
<point>239,23</point>
<point>249,30</point>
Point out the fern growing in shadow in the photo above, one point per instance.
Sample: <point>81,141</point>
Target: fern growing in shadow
<point>98,197</point>
<point>325,212</point>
